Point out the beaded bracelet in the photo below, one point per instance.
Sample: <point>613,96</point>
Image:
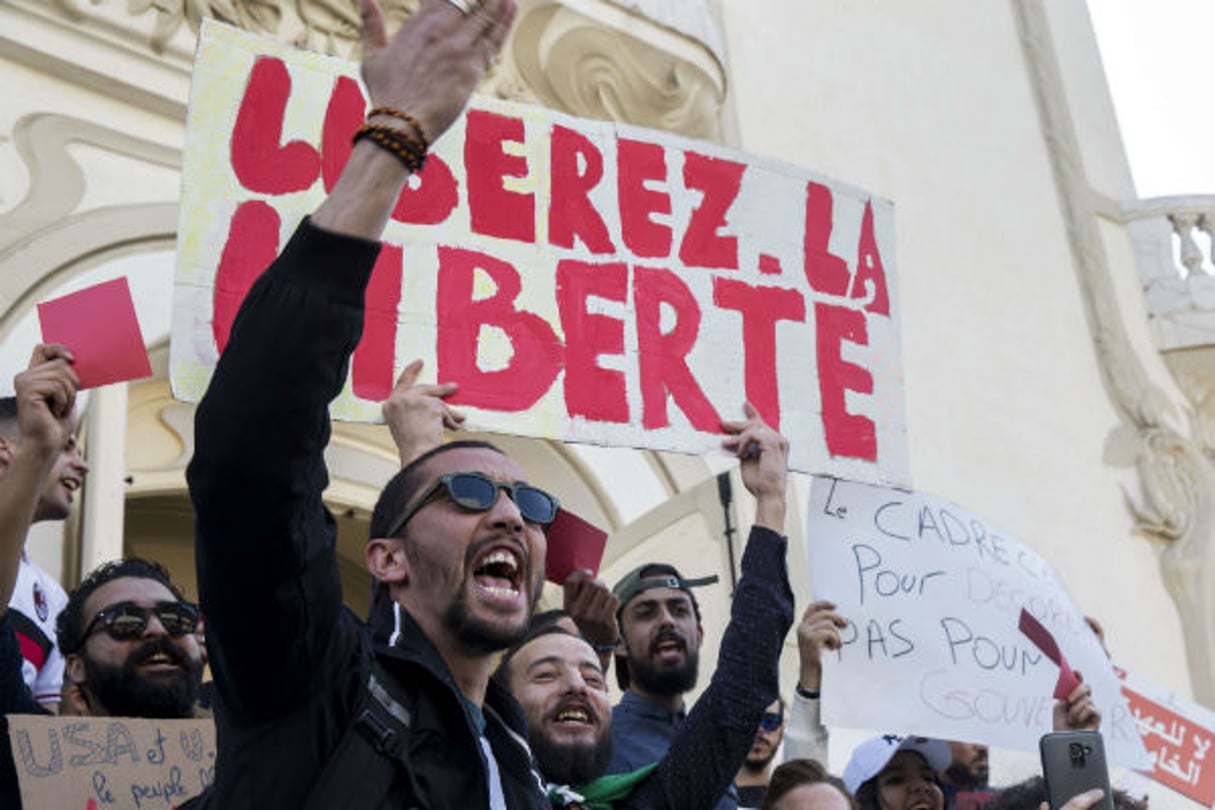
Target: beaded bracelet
<point>421,142</point>
<point>395,142</point>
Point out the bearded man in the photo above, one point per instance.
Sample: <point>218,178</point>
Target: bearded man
<point>131,643</point>
<point>756,771</point>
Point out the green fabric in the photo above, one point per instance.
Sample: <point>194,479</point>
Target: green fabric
<point>604,791</point>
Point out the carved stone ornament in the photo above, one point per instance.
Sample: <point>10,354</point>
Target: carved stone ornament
<point>1176,502</point>
<point>595,59</point>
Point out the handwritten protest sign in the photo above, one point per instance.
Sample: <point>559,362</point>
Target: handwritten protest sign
<point>122,763</point>
<point>934,594</point>
<point>580,280</point>
<point>1177,733</point>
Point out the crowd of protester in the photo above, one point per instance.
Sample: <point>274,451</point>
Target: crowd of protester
<point>452,693</point>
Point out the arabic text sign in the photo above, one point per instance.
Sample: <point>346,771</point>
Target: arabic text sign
<point>934,595</point>
<point>123,763</point>
<point>1177,734</point>
<point>580,280</point>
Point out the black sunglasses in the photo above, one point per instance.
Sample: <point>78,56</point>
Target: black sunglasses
<point>771,721</point>
<point>127,621</point>
<point>478,493</point>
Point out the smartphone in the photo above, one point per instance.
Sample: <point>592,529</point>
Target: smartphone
<point>1074,762</point>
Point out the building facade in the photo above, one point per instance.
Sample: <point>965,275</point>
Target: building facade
<point>1058,332</point>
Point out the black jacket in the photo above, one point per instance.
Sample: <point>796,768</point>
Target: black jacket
<point>15,698</point>
<point>290,663</point>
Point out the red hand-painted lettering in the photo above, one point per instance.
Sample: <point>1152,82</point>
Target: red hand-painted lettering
<point>251,247</point>
<point>495,211</point>
<point>826,272</point>
<point>662,358</point>
<point>847,434</point>
<point>720,181</point>
<point>639,163</point>
<point>261,164</point>
<point>870,277</point>
<point>537,351</point>
<point>591,391</point>
<point>571,212</point>
<point>761,308</point>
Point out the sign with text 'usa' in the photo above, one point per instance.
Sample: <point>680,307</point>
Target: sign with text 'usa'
<point>580,280</point>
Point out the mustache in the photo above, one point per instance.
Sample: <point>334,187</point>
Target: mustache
<point>665,636</point>
<point>574,702</point>
<point>475,549</point>
<point>155,647</point>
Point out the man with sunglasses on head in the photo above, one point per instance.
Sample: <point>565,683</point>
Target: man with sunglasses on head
<point>311,712</point>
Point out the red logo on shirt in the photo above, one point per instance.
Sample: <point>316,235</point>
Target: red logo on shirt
<point>40,605</point>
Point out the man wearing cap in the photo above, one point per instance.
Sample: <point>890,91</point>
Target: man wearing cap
<point>660,634</point>
<point>691,761</point>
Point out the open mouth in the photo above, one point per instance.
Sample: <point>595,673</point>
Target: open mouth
<point>574,713</point>
<point>499,573</point>
<point>160,661</point>
<point>668,645</point>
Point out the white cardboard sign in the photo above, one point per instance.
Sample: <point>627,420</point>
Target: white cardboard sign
<point>934,594</point>
<point>580,280</point>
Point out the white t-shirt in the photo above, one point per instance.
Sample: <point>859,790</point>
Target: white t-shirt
<point>36,603</point>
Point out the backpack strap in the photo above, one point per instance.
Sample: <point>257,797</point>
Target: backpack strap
<point>372,753</point>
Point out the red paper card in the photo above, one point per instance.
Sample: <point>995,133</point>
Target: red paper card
<point>572,544</point>
<point>1042,638</point>
<point>99,326</point>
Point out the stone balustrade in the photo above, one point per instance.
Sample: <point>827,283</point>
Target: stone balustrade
<point>1173,238</point>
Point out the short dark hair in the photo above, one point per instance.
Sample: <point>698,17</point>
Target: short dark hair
<point>69,627</point>
<point>798,772</point>
<point>400,490</point>
<point>542,624</point>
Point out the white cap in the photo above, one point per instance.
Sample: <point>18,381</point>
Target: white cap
<point>871,757</point>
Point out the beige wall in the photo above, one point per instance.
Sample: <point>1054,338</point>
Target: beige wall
<point>931,104</point>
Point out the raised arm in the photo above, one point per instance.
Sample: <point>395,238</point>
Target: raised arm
<point>427,69</point>
<point>46,399</point>
<point>268,578</point>
<point>714,740</point>
<point>819,629</point>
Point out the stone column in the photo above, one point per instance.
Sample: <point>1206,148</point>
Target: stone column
<point>106,439</point>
